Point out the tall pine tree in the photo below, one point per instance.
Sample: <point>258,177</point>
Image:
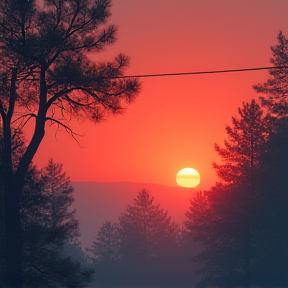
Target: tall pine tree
<point>140,249</point>
<point>144,229</point>
<point>49,225</point>
<point>47,75</point>
<point>240,154</point>
<point>226,225</point>
<point>272,209</point>
<point>59,193</point>
<point>275,88</point>
<point>105,247</point>
<point>273,249</point>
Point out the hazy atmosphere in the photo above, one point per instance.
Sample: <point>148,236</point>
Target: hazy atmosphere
<point>175,121</point>
<point>143,144</point>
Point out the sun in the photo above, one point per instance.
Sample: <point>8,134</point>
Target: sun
<point>188,177</point>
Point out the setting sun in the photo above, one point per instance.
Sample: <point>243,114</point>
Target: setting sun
<point>188,177</point>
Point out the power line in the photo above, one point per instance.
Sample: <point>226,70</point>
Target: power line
<point>170,74</point>
<point>200,72</point>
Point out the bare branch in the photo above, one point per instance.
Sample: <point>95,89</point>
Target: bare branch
<point>88,91</point>
<point>78,103</point>
<point>24,116</point>
<point>59,94</point>
<point>23,125</point>
<point>67,128</point>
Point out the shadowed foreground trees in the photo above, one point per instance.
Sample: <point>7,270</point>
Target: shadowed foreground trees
<point>244,231</point>
<point>223,218</point>
<point>273,241</point>
<point>18,148</point>
<point>47,76</point>
<point>49,225</point>
<point>272,211</point>
<point>242,222</point>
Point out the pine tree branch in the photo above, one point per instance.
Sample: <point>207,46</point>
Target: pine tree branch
<point>67,129</point>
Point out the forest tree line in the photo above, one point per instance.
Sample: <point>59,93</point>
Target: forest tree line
<point>240,223</point>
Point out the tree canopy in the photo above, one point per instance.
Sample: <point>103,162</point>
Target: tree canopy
<point>275,88</point>
<point>242,221</point>
<point>49,226</point>
<point>50,72</point>
<point>144,228</point>
<point>105,247</point>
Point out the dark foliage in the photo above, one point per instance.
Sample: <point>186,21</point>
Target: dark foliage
<point>222,219</point>
<point>47,75</point>
<point>106,246</point>
<point>49,225</point>
<point>275,88</point>
<point>242,222</point>
<point>144,248</point>
<point>144,228</point>
<point>272,210</point>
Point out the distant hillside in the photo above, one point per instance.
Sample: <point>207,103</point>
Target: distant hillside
<point>97,202</point>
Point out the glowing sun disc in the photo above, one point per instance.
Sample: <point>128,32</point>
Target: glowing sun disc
<point>188,177</point>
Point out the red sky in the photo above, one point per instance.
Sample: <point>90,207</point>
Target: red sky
<point>175,121</point>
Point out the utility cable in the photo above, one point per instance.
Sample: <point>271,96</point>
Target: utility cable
<point>170,74</point>
<point>200,72</point>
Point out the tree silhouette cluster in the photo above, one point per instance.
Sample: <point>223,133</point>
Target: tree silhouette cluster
<point>49,74</point>
<point>49,227</point>
<point>141,248</point>
<point>242,220</point>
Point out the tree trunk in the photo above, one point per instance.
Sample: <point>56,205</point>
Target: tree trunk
<point>2,229</point>
<point>13,235</point>
<point>2,217</point>
<point>14,182</point>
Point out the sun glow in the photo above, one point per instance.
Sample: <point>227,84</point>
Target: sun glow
<point>188,177</point>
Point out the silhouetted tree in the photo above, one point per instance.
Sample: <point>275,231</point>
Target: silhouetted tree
<point>105,247</point>
<point>140,249</point>
<point>199,217</point>
<point>49,225</point>
<point>241,157</point>
<point>276,87</point>
<point>272,209</point>
<point>59,194</point>
<point>18,147</point>
<point>45,68</point>
<point>144,229</point>
<point>46,192</point>
<point>241,153</point>
<point>272,250</point>
<point>82,271</point>
<point>2,214</point>
<point>220,228</point>
<point>222,219</point>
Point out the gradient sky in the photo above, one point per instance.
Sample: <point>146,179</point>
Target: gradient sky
<point>175,121</point>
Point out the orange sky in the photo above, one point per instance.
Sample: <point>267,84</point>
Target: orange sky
<point>175,121</point>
